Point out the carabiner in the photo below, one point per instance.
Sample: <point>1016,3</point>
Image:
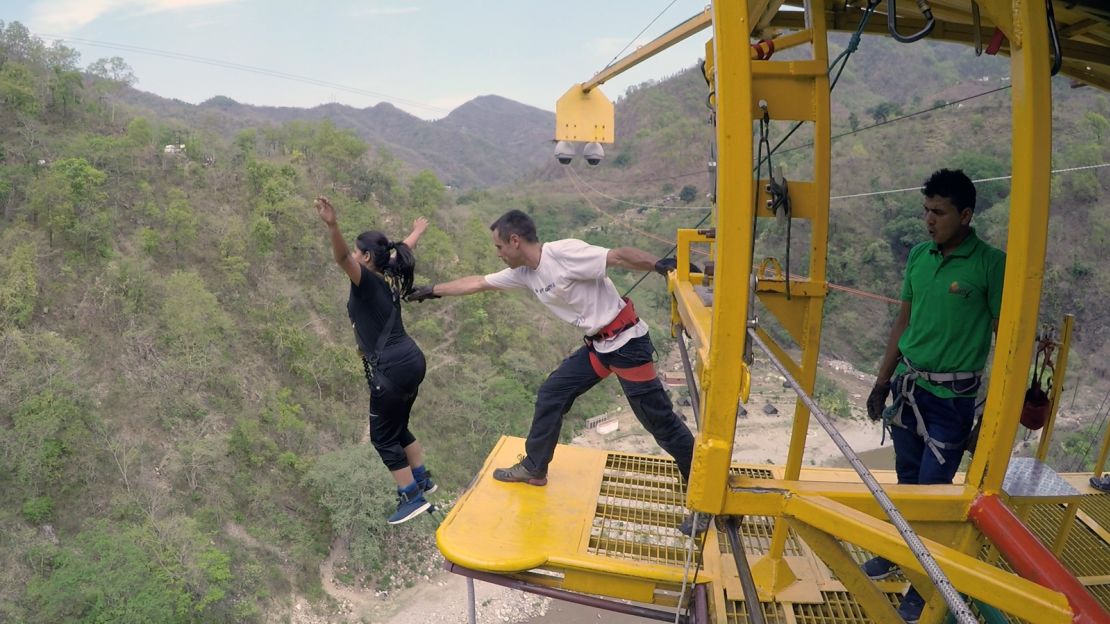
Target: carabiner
<point>892,21</point>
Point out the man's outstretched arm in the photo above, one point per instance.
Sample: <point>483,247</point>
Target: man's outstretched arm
<point>631,258</point>
<point>462,286</point>
<point>639,260</point>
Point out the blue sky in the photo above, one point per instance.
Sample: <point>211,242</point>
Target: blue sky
<point>426,57</point>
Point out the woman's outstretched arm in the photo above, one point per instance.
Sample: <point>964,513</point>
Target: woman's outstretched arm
<point>340,251</point>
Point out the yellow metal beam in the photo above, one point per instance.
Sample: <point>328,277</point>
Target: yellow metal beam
<point>1025,245</point>
<point>918,503</point>
<point>848,572</point>
<point>686,29</point>
<point>725,372</point>
<point>1013,594</point>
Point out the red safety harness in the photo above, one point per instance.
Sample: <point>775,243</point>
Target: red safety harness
<point>625,319</point>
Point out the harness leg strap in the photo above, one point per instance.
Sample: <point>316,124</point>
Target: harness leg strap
<point>641,373</point>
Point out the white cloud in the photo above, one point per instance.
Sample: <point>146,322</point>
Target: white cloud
<point>383,11</point>
<point>606,47</point>
<point>67,16</point>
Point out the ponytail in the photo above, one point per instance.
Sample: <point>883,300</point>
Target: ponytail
<point>395,261</point>
<point>400,269</point>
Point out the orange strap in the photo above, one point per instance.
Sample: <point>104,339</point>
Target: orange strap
<point>643,372</point>
<point>625,319</point>
<point>599,368</point>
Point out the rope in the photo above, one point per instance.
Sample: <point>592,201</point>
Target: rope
<point>994,179</point>
<point>1091,438</point>
<point>631,203</point>
<point>629,44</point>
<point>575,180</point>
<point>900,118</point>
<point>273,73</point>
<point>853,43</point>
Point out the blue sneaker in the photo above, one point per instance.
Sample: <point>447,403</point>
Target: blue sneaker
<point>427,484</point>
<point>878,568</point>
<point>409,506</point>
<point>912,604</point>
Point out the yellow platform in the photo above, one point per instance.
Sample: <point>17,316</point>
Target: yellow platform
<point>603,520</point>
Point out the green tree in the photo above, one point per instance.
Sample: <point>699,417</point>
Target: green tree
<point>114,69</point>
<point>65,87</point>
<point>71,203</point>
<point>688,193</point>
<point>1098,124</point>
<point>357,492</point>
<point>195,324</point>
<point>426,192</point>
<point>107,576</point>
<point>140,133</point>
<point>980,166</point>
<point>17,88</point>
<point>18,282</point>
<point>181,221</point>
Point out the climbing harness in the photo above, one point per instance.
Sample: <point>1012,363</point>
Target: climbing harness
<point>625,319</point>
<point>904,386</point>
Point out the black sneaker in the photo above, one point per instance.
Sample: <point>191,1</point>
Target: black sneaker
<point>409,506</point>
<point>517,473</point>
<point>878,568</point>
<point>1101,483</point>
<point>687,526</point>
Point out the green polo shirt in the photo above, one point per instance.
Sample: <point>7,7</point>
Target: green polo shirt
<point>954,301</point>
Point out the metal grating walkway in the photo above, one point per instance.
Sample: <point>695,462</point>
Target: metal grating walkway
<point>640,502</point>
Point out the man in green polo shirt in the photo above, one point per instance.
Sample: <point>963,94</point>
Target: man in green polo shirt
<point>938,347</point>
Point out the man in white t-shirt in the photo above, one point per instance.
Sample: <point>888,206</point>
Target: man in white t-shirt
<point>568,276</point>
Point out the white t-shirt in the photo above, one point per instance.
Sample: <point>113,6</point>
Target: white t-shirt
<point>570,280</point>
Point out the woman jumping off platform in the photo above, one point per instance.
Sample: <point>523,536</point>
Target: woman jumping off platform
<point>381,273</point>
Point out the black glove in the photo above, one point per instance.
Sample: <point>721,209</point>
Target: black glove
<point>420,293</point>
<point>666,265</point>
<point>876,401</point>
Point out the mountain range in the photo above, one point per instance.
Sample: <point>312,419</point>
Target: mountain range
<point>488,141</point>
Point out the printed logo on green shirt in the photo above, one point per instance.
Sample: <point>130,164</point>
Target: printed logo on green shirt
<point>955,289</point>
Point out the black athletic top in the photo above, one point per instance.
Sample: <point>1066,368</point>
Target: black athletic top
<point>368,307</point>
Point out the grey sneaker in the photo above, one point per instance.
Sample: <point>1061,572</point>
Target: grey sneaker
<point>517,473</point>
<point>687,526</point>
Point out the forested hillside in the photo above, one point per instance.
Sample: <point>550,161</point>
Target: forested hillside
<point>181,408</point>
